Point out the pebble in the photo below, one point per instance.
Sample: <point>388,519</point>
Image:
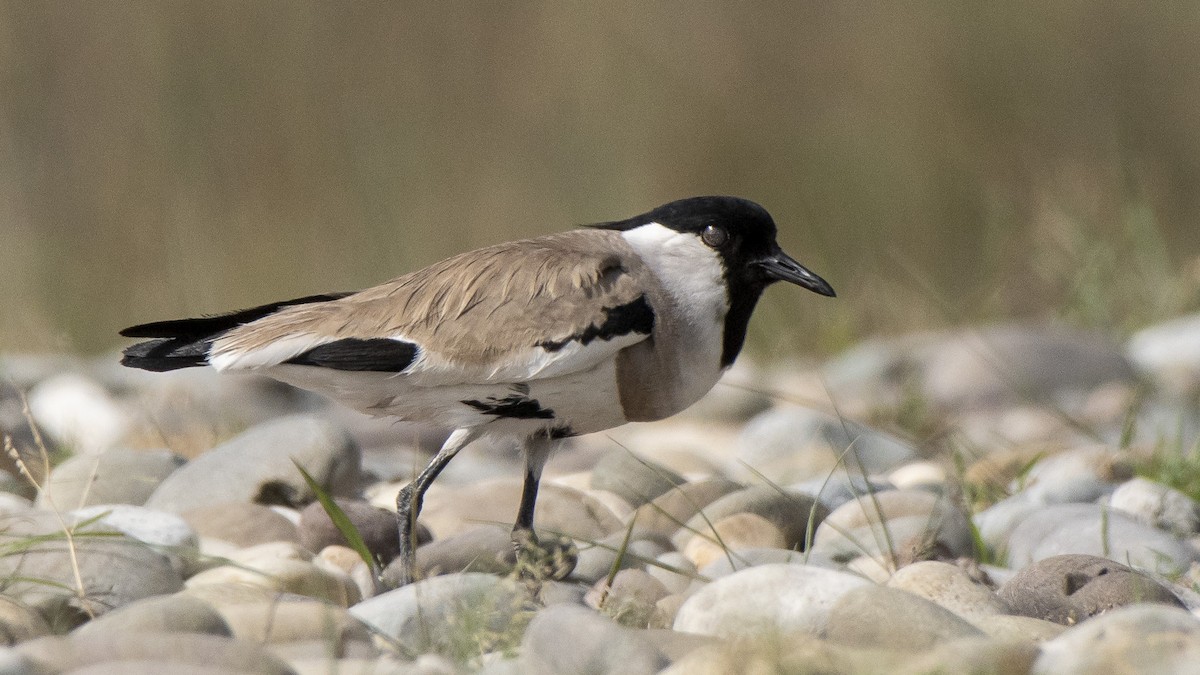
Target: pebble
<point>175,613</point>
<point>114,571</point>
<point>257,467</point>
<point>241,523</point>
<point>376,526</point>
<point>19,623</point>
<point>294,620</point>
<point>950,587</point>
<point>1067,589</point>
<point>284,567</point>
<point>439,614</point>
<point>567,639</point>
<point>897,525</point>
<point>788,510</point>
<point>1075,476</point>
<point>164,532</point>
<point>878,616</point>
<point>482,548</point>
<point>1097,530</point>
<point>1169,352</point>
<point>733,533</point>
<point>78,413</point>
<point>1149,639</point>
<point>777,599</point>
<point>668,512</point>
<point>1157,505</point>
<point>116,476</point>
<point>146,652</point>
<point>630,601</point>
<point>791,444</point>
<point>634,479</point>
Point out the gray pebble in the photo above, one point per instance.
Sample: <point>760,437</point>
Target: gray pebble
<point>877,616</point>
<point>118,476</point>
<point>1067,589</point>
<point>771,599</point>
<point>1149,639</point>
<point>570,639</point>
<point>376,526</point>
<point>257,466</point>
<point>632,478</point>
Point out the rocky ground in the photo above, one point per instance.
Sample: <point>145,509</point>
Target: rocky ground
<point>1014,499</point>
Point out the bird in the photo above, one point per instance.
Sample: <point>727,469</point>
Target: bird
<point>536,340</point>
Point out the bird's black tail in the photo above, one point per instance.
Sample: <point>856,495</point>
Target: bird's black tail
<point>185,343</point>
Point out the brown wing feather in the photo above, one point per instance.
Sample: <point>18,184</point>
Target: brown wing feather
<point>482,305</point>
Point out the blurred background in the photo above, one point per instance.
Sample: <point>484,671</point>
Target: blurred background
<point>939,163</point>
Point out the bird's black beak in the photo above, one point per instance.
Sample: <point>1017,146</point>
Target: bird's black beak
<point>779,266</point>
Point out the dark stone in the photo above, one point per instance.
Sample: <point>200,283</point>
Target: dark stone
<point>1067,589</point>
<point>376,526</point>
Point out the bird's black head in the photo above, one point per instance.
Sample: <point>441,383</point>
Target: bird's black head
<point>743,234</point>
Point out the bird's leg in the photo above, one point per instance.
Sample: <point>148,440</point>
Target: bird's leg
<point>408,502</point>
<point>556,559</point>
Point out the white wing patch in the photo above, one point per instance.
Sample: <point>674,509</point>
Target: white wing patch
<point>225,356</point>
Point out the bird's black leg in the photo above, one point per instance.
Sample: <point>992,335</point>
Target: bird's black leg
<point>408,502</point>
<point>557,559</point>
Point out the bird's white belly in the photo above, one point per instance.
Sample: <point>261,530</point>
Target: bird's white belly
<point>582,402</point>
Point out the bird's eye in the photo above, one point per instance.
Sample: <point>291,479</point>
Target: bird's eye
<point>714,236</point>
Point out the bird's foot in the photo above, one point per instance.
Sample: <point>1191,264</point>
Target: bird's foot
<point>550,560</point>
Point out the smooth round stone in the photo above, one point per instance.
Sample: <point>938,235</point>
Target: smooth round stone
<point>116,476</point>
<point>974,655</point>
<point>630,601</point>
<point>775,599</point>
<point>242,524</point>
<point>345,561</point>
<point>114,570</point>
<point>789,444</point>
<point>950,587</point>
<point>559,509</point>
<point>791,653</point>
<point>429,615</point>
<point>753,557</point>
<point>1157,505</point>
<point>483,548</point>
<point>596,561</point>
<point>77,413</point>
<point>13,661</point>
<point>1067,589</point>
<point>175,613</point>
<point>788,510</point>
<point>919,476</point>
<point>877,616</point>
<point>165,532</point>
<point>633,478</point>
<point>19,623</point>
<point>665,514</point>
<point>1096,530</point>
<point>1150,639</point>
<point>1013,628</point>
<point>153,652</point>
<point>293,620</point>
<point>918,525</point>
<point>997,522</point>
<point>257,466</point>
<point>1076,476</point>
<point>835,490</point>
<point>569,639</point>
<point>956,370</point>
<point>733,533</point>
<point>283,567</point>
<point>675,572</point>
<point>376,527</point>
<point>1169,352</point>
